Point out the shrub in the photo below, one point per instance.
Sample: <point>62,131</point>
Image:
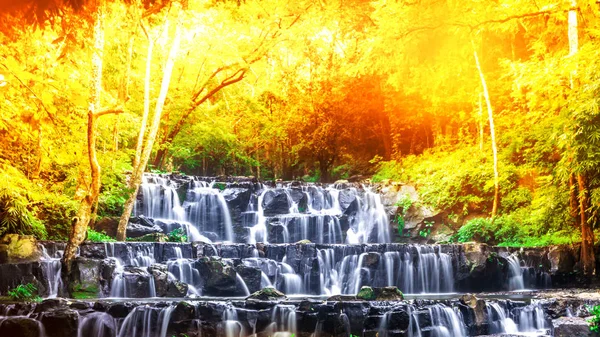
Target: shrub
<point>98,236</point>
<point>595,320</point>
<point>177,235</point>
<point>56,213</point>
<point>24,292</point>
<point>15,218</point>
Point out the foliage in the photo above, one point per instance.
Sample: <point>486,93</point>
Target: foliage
<point>24,292</point>
<point>177,235</point>
<point>427,230</point>
<point>595,320</point>
<point>94,236</point>
<point>15,218</point>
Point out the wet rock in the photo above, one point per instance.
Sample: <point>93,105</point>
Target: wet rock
<point>137,230</point>
<point>267,294</point>
<point>137,282</point>
<point>562,259</point>
<point>303,242</point>
<point>183,311</point>
<point>572,327</point>
<point>161,278</point>
<point>371,260</point>
<point>478,306</point>
<point>220,278</point>
<point>85,278</point>
<point>275,202</point>
<point>20,327</point>
<point>252,277</point>
<point>142,220</point>
<point>15,248</point>
<point>153,237</point>
<point>388,294</point>
<point>51,304</point>
<point>92,250</point>
<point>346,198</point>
<point>366,293</point>
<point>119,309</point>
<point>237,200</point>
<point>60,323</point>
<point>176,289</point>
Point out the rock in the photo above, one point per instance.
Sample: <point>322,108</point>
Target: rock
<point>561,259</point>
<point>572,327</point>
<point>161,278</point>
<point>20,327</point>
<point>346,198</point>
<point>85,275</point>
<point>479,308</point>
<point>220,278</point>
<point>15,248</point>
<point>153,237</point>
<point>142,220</point>
<point>137,230</point>
<point>251,276</point>
<point>107,225</point>
<point>303,242</point>
<point>51,304</point>
<point>366,293</point>
<point>237,200</point>
<point>388,294</point>
<point>60,323</point>
<point>183,311</point>
<point>137,282</point>
<point>476,255</point>
<point>267,294</point>
<point>176,289</point>
<point>275,202</point>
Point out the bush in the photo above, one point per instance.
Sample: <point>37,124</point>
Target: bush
<point>98,236</point>
<point>15,218</point>
<point>177,235</point>
<point>56,213</point>
<point>595,320</point>
<point>24,292</point>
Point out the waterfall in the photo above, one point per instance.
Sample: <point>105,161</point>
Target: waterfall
<point>97,324</point>
<point>208,212</point>
<point>515,273</point>
<point>146,321</point>
<point>232,327</point>
<point>183,270</point>
<point>125,274</point>
<point>51,267</point>
<point>500,322</point>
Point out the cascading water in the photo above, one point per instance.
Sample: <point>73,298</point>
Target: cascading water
<point>128,271</point>
<point>146,321</point>
<point>52,268</point>
<point>515,275</point>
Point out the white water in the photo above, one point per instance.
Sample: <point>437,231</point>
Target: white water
<point>52,268</point>
<point>515,273</point>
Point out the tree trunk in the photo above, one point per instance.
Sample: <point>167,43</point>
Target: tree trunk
<point>84,214</point>
<point>136,176</point>
<point>588,258</point>
<point>486,95</point>
<point>481,123</point>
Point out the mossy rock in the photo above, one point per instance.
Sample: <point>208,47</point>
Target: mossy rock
<point>267,294</point>
<point>388,294</point>
<point>366,293</point>
<point>303,242</point>
<point>16,248</point>
<point>153,237</point>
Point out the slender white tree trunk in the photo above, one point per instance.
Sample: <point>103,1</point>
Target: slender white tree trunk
<point>144,153</point>
<point>488,103</point>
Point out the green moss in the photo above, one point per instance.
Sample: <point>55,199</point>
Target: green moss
<point>82,292</point>
<point>366,293</point>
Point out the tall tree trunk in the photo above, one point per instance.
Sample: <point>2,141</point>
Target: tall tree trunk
<point>136,176</point>
<point>588,258</point>
<point>481,122</point>
<point>486,95</point>
<point>84,214</point>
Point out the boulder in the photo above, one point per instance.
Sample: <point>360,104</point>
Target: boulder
<point>107,225</point>
<point>267,294</point>
<point>161,278</point>
<point>366,293</point>
<point>153,237</point>
<point>346,198</point>
<point>85,278</point>
<point>136,282</point>
<point>237,200</point>
<point>220,278</point>
<point>252,277</point>
<point>142,220</point>
<point>388,294</point>
<point>20,326</point>
<point>60,323</point>
<point>15,248</point>
<point>176,289</point>
<point>562,259</point>
<point>572,327</point>
<point>275,202</point>
<point>479,308</point>
<point>137,230</point>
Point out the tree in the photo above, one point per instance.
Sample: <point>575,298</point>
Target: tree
<point>144,147</point>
